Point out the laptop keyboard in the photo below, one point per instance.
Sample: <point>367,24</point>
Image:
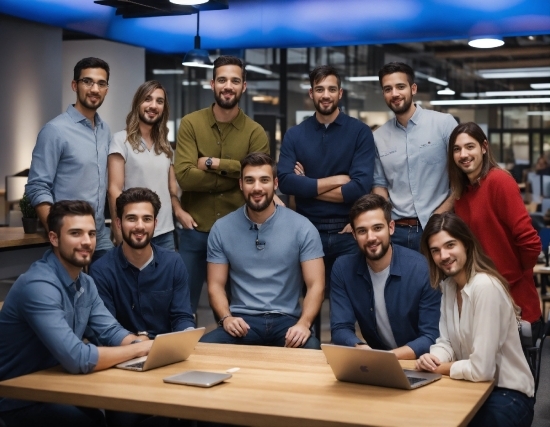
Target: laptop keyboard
<point>137,365</point>
<point>413,380</point>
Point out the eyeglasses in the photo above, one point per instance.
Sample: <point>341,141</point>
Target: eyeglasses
<point>89,83</point>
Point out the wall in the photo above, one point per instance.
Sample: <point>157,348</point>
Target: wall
<point>30,83</point>
<point>127,64</point>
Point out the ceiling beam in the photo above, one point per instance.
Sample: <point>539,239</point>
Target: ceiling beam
<point>484,53</point>
<point>525,63</point>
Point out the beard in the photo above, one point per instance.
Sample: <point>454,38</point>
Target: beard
<point>227,104</point>
<point>325,111</point>
<point>382,250</point>
<point>143,117</point>
<point>259,206</point>
<point>86,102</point>
<point>127,237</point>
<point>404,108</point>
<point>72,258</point>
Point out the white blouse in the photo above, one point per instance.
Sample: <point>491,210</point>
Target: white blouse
<point>484,342</point>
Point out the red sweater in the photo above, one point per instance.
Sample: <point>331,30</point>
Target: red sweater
<point>495,213</point>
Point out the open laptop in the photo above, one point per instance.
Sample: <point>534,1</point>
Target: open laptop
<point>166,349</point>
<point>373,367</point>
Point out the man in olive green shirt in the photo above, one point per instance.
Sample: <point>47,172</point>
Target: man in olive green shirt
<point>211,144</point>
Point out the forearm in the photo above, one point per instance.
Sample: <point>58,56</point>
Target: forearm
<point>381,191</point>
<point>110,356</point>
<point>218,301</point>
<point>331,183</point>
<point>311,306</point>
<point>42,211</point>
<point>333,196</point>
<point>444,369</point>
<point>446,206</point>
<point>404,353</point>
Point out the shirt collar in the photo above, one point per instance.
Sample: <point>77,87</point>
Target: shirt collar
<point>125,263</point>
<point>252,223</point>
<point>395,267</point>
<point>237,122</point>
<point>61,273</point>
<point>339,120</point>
<point>77,116</point>
<point>414,118</point>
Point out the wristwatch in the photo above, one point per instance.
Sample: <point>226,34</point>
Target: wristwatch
<point>208,163</point>
<point>142,334</point>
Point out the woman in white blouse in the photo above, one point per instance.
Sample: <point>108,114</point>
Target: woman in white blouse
<point>479,338</point>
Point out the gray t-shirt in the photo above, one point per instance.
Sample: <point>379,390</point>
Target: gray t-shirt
<point>150,170</point>
<point>382,320</point>
<point>265,274</point>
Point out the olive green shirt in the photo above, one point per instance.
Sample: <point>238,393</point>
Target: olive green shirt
<point>212,194</point>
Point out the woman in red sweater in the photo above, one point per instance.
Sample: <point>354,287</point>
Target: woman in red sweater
<point>489,201</point>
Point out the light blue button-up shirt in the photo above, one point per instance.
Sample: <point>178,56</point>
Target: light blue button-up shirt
<point>411,163</point>
<point>69,162</point>
<point>44,319</point>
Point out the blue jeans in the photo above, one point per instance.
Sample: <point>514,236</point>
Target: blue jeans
<point>265,329</point>
<point>166,240</point>
<point>192,248</point>
<point>335,245</point>
<point>505,408</point>
<point>407,236</point>
<point>53,414</point>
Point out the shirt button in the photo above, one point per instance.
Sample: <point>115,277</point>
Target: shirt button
<point>218,214</point>
<point>371,309</point>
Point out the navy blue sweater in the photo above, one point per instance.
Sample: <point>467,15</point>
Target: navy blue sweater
<point>345,147</point>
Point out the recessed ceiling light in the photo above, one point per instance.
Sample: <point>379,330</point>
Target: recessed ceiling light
<point>514,73</point>
<point>538,113</point>
<point>446,91</point>
<point>363,79</point>
<point>492,101</point>
<point>518,93</point>
<point>540,85</point>
<point>258,69</point>
<point>486,42</point>
<point>188,2</point>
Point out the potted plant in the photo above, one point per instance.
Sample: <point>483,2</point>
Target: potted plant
<point>30,219</point>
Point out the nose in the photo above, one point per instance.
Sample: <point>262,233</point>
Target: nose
<point>86,239</point>
<point>463,152</point>
<point>394,92</point>
<point>257,185</point>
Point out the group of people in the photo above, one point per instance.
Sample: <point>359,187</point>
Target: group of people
<point>366,205</point>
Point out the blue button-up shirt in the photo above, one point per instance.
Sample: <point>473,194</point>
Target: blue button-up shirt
<point>43,321</point>
<point>69,162</point>
<point>413,306</point>
<point>411,163</point>
<point>155,299</point>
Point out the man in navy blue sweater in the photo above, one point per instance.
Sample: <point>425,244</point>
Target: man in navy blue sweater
<point>327,163</point>
<point>385,288</point>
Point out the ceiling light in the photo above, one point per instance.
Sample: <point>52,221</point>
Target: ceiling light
<point>486,42</point>
<point>515,73</point>
<point>446,91</point>
<point>197,57</point>
<point>158,71</point>
<point>492,101</point>
<point>431,79</point>
<point>258,70</point>
<point>188,2</point>
<point>540,85</point>
<point>518,93</point>
<point>538,113</point>
<point>305,86</point>
<point>363,79</point>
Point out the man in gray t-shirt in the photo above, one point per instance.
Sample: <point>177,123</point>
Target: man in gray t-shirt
<point>267,252</point>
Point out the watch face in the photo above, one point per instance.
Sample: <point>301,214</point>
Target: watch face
<point>208,162</point>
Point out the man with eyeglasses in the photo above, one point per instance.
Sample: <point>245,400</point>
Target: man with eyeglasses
<point>265,252</point>
<point>69,161</point>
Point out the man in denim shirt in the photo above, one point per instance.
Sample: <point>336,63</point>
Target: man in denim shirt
<point>69,161</point>
<point>45,316</point>
<point>143,285</point>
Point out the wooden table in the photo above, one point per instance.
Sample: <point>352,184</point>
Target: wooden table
<point>274,387</point>
<point>19,250</point>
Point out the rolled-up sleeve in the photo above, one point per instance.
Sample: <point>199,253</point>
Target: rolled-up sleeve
<point>379,179</point>
<point>45,159</point>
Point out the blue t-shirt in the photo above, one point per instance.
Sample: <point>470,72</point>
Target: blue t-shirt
<point>265,273</point>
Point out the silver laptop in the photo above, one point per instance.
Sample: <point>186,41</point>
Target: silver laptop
<point>373,367</point>
<point>166,349</point>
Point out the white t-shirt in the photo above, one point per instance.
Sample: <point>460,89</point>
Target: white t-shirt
<point>382,320</point>
<point>146,169</point>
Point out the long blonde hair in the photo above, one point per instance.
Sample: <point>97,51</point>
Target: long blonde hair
<point>159,132</point>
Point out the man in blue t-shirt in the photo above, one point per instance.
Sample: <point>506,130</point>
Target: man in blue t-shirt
<point>266,252</point>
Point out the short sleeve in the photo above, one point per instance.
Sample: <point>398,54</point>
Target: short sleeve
<point>215,252</point>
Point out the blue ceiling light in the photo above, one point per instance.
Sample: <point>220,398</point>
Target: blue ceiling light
<point>197,57</point>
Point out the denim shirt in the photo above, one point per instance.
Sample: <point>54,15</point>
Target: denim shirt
<point>155,299</point>
<point>413,306</point>
<point>69,162</point>
<point>43,321</point>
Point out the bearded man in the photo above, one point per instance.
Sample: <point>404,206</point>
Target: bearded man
<point>385,289</point>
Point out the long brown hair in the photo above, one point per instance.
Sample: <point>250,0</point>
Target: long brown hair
<point>159,132</point>
<point>476,259</point>
<point>457,178</point>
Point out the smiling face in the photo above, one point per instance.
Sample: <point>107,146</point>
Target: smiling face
<point>152,108</point>
<point>372,233</point>
<point>75,244</point>
<point>258,186</point>
<point>449,254</point>
<point>228,86</point>
<point>468,155</point>
<point>325,95</point>
<point>90,99</point>
<point>137,224</point>
<point>398,92</point>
